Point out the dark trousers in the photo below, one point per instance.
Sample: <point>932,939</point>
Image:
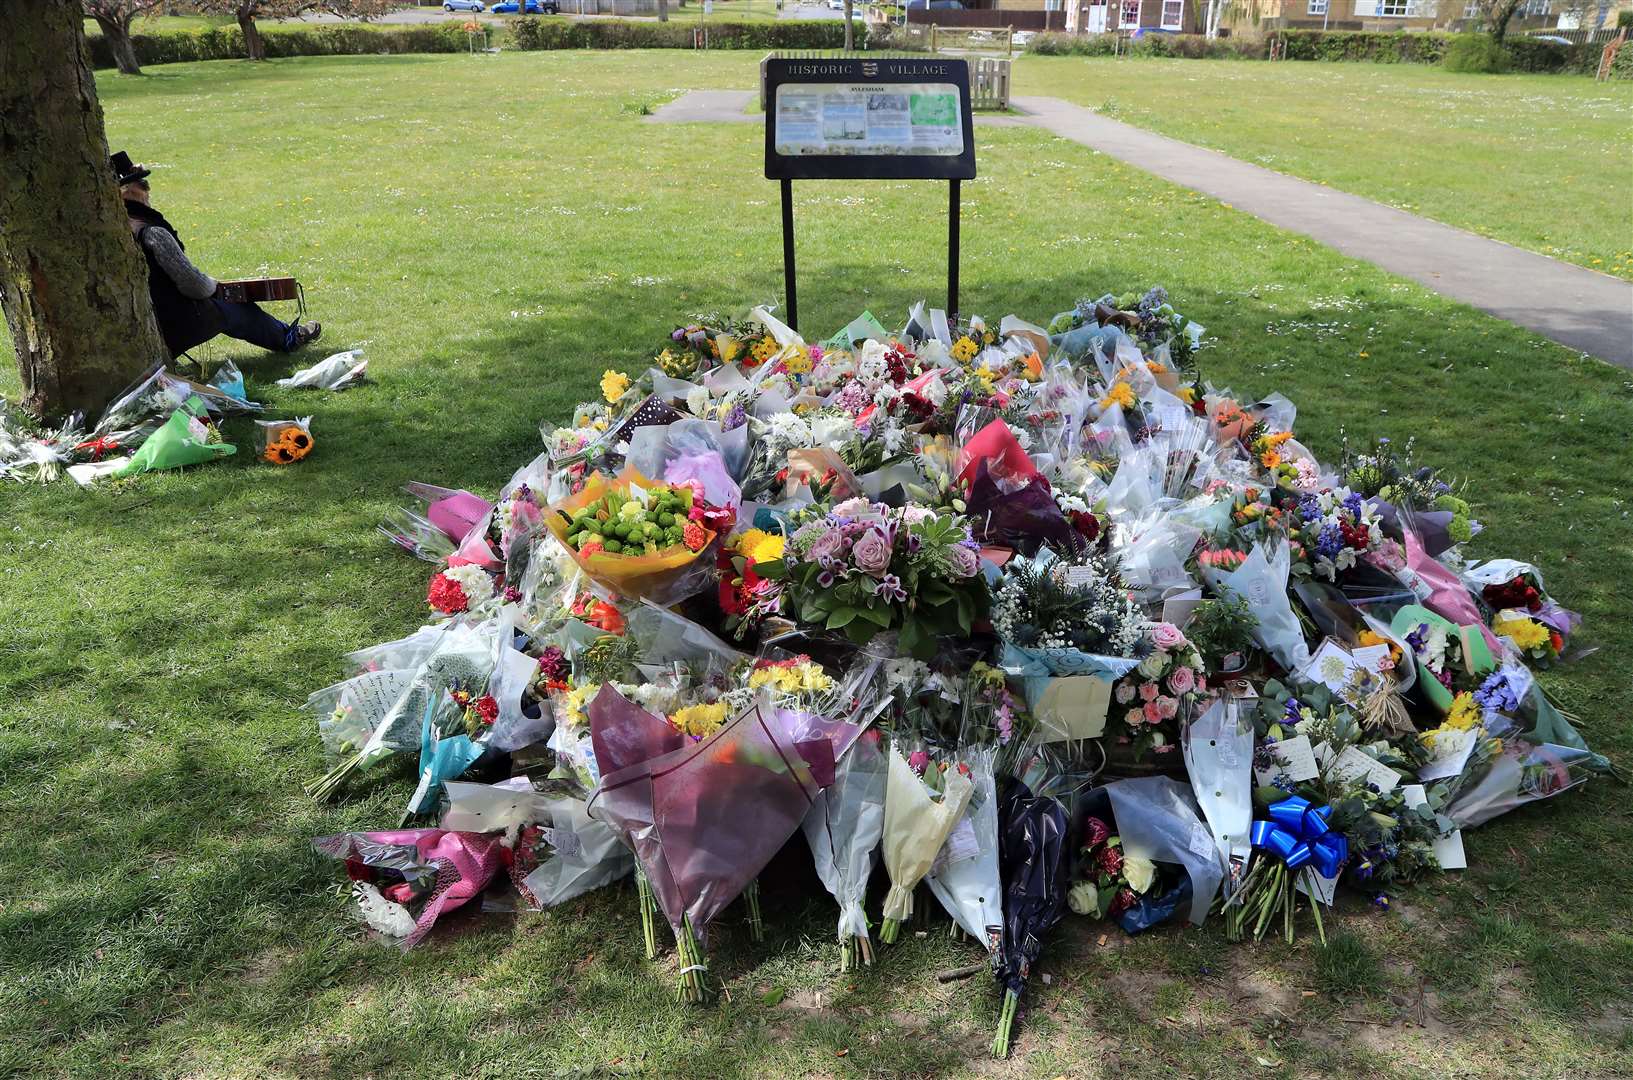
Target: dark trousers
<point>246,322</point>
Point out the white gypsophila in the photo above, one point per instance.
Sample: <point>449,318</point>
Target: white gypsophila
<point>472,580</point>
<point>872,366</point>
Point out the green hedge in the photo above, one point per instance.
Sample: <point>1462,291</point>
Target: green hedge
<point>1621,65</point>
<point>1396,47</point>
<point>1189,46</point>
<point>227,43</point>
<point>627,34</point>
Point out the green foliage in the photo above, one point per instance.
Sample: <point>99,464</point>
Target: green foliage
<point>1621,65</point>
<point>227,42</point>
<point>535,34</point>
<point>1395,47</point>
<point>1624,19</point>
<point>1184,46</point>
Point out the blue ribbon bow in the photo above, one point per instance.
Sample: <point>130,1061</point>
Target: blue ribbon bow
<point>1299,834</point>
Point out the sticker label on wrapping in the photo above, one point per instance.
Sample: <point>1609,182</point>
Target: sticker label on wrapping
<point>565,841</point>
<point>1201,842</point>
<point>961,845</point>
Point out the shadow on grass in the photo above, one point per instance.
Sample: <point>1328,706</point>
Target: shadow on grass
<point>173,862</point>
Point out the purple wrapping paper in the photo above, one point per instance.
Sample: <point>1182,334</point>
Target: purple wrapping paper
<point>704,820</point>
<point>1022,519</point>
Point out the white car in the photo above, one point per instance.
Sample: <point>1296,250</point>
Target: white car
<point>836,5</point>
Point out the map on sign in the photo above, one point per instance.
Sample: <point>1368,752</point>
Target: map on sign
<point>877,119</point>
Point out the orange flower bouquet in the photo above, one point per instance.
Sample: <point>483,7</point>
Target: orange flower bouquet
<point>284,442</point>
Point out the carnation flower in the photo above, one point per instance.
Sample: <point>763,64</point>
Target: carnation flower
<point>1095,832</point>
<point>1124,900</point>
<point>445,595</point>
<point>1109,860</point>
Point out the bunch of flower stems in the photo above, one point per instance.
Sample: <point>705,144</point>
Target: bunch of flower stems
<point>854,951</point>
<point>649,912</point>
<point>1268,895</point>
<point>692,966</point>
<point>751,897</point>
<point>1006,1024</point>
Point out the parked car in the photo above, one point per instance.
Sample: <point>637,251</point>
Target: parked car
<point>1144,30</point>
<point>534,7</point>
<point>463,5</point>
<point>836,5</point>
<point>1553,39</point>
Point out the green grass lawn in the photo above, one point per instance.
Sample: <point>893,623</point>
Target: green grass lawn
<point>1543,162</point>
<point>496,232</point>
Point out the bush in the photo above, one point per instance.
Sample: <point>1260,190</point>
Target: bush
<point>1624,19</point>
<point>1621,65</point>
<point>1475,53</point>
<point>227,43</point>
<point>540,34</point>
<point>1188,46</point>
<point>1397,47</point>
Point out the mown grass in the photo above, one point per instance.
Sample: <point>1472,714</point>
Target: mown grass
<point>496,232</point>
<point>1544,162</point>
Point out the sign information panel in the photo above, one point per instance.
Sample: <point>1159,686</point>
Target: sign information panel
<point>850,119</point>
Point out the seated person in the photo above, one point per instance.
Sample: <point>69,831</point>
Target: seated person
<point>186,300</point>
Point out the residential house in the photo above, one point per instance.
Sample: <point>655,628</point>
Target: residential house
<point>1107,16</point>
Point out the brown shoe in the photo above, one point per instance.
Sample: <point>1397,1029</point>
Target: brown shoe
<point>305,334</point>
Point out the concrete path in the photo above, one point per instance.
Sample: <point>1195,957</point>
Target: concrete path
<point>1576,307</point>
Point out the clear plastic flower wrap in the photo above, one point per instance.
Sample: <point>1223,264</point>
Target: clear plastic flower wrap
<point>1261,581</point>
<point>405,879</point>
<point>965,874</point>
<point>1158,819</point>
<point>843,830</point>
<point>1537,754</point>
<point>1218,749</point>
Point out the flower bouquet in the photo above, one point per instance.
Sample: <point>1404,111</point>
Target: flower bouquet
<point>865,568</point>
<point>703,818</point>
<point>924,801</point>
<point>843,829</point>
<point>635,537</point>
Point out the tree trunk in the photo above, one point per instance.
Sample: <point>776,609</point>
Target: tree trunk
<point>663,10</point>
<point>116,32</point>
<point>72,282</point>
<point>1499,19</point>
<point>254,47</point>
<point>850,39</point>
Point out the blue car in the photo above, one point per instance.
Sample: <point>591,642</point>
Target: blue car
<point>463,5</point>
<point>534,7</point>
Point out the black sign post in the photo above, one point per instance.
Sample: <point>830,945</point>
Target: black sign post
<point>859,119</point>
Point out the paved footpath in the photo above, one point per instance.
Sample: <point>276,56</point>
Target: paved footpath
<point>1577,307</point>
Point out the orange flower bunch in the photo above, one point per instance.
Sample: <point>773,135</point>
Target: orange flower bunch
<point>290,443</point>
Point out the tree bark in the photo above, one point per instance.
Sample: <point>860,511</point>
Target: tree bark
<point>72,282</point>
<point>663,10</point>
<point>254,47</point>
<point>116,32</point>
<point>850,31</point>
<point>1500,17</point>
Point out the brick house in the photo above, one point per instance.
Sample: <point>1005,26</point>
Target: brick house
<point>1107,16</point>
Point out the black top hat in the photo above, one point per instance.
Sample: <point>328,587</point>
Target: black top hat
<point>127,172</point>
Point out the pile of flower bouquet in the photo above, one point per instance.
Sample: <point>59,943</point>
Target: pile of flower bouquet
<point>1007,620</point>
